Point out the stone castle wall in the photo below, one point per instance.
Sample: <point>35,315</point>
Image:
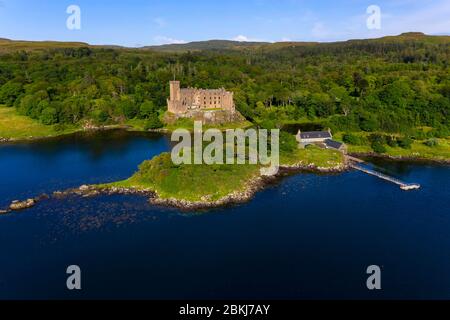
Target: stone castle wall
<point>184,100</point>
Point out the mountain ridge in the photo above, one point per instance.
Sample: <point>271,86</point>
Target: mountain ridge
<point>216,44</point>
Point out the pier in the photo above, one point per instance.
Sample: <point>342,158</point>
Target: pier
<point>404,186</point>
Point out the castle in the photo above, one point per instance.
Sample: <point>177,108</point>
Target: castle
<point>191,99</point>
<point>208,106</point>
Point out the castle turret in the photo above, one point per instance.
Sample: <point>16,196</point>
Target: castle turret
<point>175,104</point>
<point>175,94</point>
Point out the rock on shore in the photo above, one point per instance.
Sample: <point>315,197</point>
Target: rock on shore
<point>17,205</point>
<point>21,205</point>
<point>86,191</point>
<point>239,196</point>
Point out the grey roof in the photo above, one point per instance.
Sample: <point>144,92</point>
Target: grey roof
<point>316,135</point>
<point>333,144</point>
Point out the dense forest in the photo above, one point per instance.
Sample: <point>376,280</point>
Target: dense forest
<point>394,85</point>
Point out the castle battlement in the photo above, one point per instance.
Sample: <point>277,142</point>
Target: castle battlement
<point>192,99</point>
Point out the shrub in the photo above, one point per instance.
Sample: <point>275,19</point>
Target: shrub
<point>377,138</point>
<point>391,141</point>
<point>49,116</point>
<point>378,147</point>
<point>100,116</point>
<point>405,142</point>
<point>352,139</point>
<point>288,143</point>
<point>129,108</point>
<point>431,143</point>
<point>146,110</point>
<point>59,127</point>
<point>153,122</point>
<point>368,124</point>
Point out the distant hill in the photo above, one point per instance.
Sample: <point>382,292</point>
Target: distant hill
<point>235,45</point>
<point>207,45</point>
<point>7,45</point>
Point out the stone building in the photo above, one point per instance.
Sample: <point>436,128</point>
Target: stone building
<point>192,99</point>
<point>322,139</point>
<point>208,106</point>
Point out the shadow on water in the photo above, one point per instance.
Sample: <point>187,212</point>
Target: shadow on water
<point>43,166</point>
<point>398,168</point>
<point>94,143</point>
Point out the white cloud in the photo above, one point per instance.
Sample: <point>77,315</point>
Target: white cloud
<point>167,40</point>
<point>242,38</point>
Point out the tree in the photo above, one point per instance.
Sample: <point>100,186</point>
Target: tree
<point>153,122</point>
<point>49,116</point>
<point>100,116</point>
<point>288,143</point>
<point>405,142</point>
<point>128,107</point>
<point>146,109</point>
<point>352,139</point>
<point>368,124</point>
<point>378,147</point>
<point>9,93</point>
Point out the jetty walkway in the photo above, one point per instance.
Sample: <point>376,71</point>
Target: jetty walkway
<point>355,163</point>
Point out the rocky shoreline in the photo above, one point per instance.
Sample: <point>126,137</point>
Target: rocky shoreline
<point>253,186</point>
<point>18,205</point>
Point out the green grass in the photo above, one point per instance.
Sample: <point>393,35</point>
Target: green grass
<point>418,149</point>
<point>136,124</point>
<point>16,127</point>
<point>14,46</point>
<point>313,156</point>
<point>212,182</point>
<point>189,182</point>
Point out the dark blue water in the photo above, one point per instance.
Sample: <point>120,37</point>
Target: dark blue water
<point>309,236</point>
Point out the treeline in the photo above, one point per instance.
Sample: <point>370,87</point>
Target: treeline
<point>396,87</point>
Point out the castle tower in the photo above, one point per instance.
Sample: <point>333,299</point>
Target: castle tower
<point>174,103</point>
<point>175,91</point>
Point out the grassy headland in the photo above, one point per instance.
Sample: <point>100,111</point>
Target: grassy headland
<point>189,182</point>
<point>213,183</point>
<point>17,127</point>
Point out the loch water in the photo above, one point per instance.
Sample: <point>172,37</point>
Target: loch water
<point>308,236</point>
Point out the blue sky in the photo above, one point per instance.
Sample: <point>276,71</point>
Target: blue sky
<point>139,22</point>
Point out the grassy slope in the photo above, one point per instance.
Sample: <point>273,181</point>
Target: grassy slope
<point>313,156</point>
<point>14,45</point>
<point>418,149</point>
<point>205,182</point>
<point>17,127</point>
<point>190,182</point>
